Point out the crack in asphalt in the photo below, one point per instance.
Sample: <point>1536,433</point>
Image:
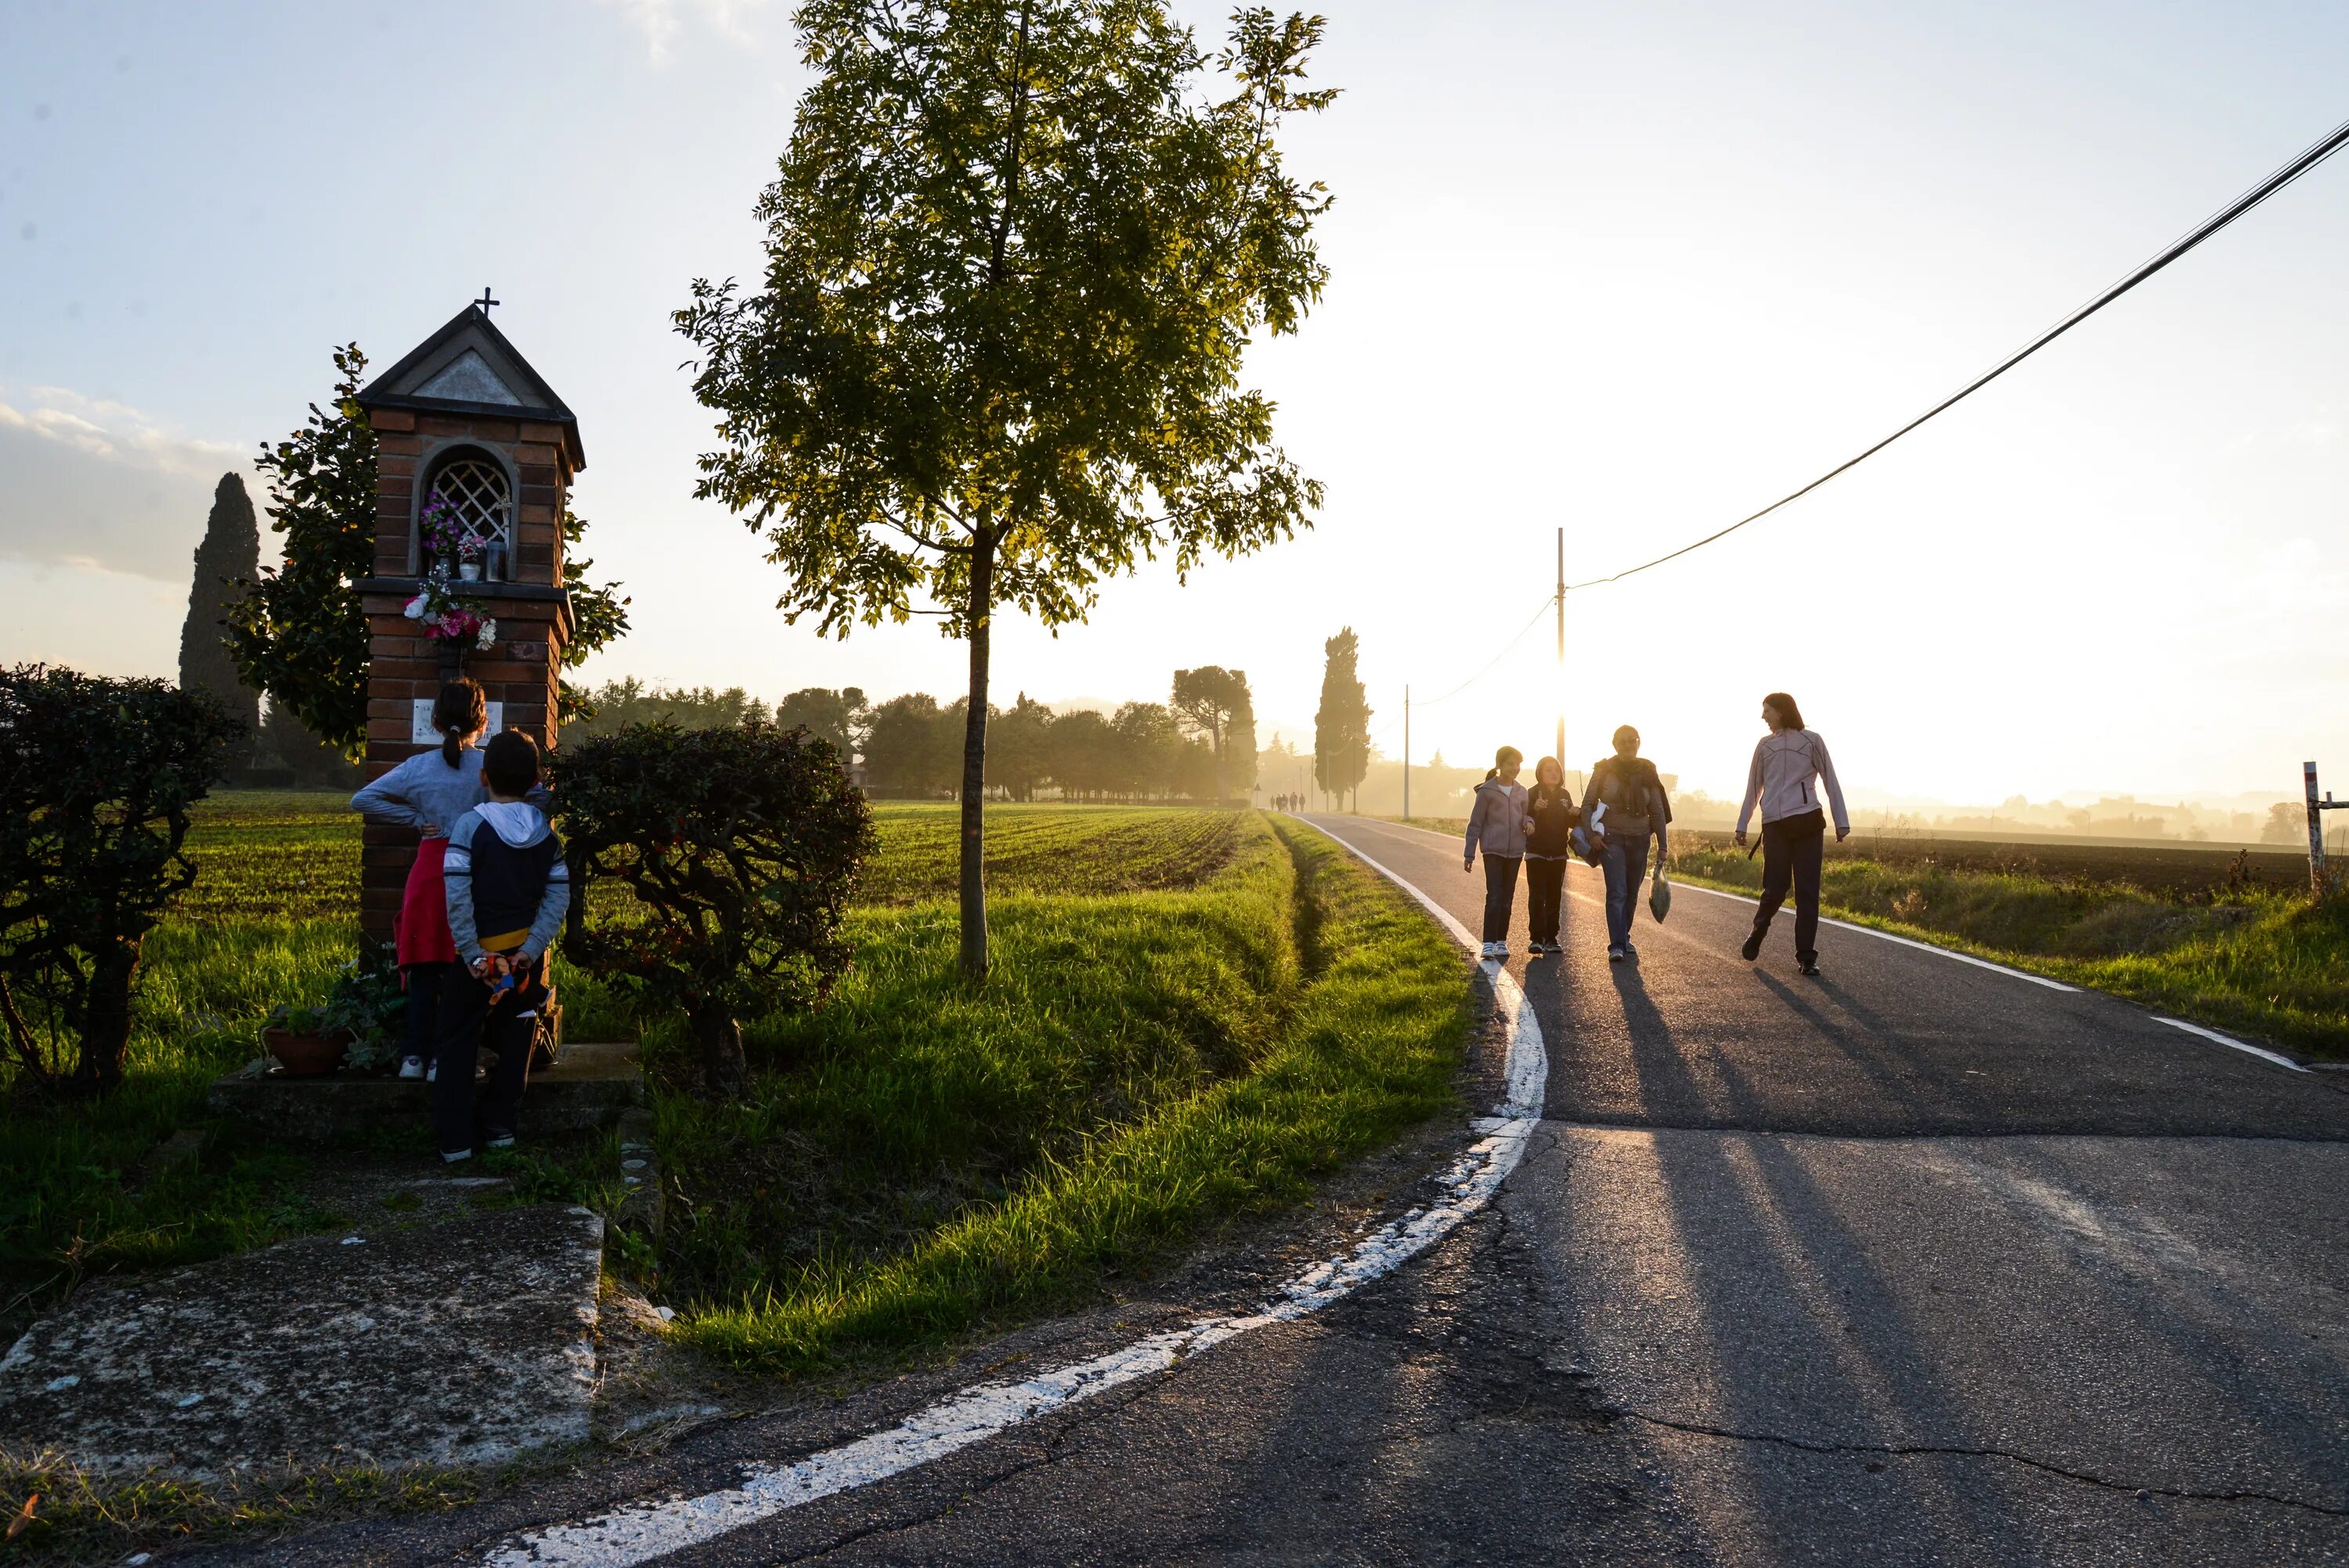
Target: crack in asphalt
<point>1939,1450</point>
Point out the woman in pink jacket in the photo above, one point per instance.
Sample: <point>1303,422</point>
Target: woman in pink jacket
<point>1786,763</point>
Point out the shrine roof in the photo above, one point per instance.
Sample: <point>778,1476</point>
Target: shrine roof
<point>470,367</point>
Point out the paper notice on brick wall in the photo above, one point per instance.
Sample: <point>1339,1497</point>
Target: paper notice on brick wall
<point>419,726</point>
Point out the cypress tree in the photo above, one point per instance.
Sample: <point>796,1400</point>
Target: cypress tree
<point>1342,726</point>
<point>229,556</point>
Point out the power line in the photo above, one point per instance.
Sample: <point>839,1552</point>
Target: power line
<point>2316,154</point>
<point>1506,648</point>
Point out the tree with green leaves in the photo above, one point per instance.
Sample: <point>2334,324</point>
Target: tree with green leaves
<point>1213,703</point>
<point>1085,755</point>
<point>226,559</point>
<point>1014,259</point>
<point>837,717</point>
<point>299,631</point>
<point>909,748</point>
<point>1342,725</point>
<point>1149,749</point>
<point>599,617</point>
<point>1018,747</point>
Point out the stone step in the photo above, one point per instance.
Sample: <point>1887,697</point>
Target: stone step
<point>591,1087</point>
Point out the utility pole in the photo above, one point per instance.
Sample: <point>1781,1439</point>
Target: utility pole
<point>1406,748</point>
<point>1560,752</point>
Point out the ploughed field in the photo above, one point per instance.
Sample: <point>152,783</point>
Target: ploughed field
<point>2226,937</point>
<point>1193,1014</point>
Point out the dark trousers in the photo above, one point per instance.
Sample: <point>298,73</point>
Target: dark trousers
<point>1626,862</point>
<point>424,984</point>
<point>1500,895</point>
<point>1545,885</point>
<point>473,1017</point>
<point>1791,849</point>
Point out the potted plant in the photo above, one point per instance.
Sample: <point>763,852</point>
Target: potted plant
<point>368,1009</point>
<point>304,1041</point>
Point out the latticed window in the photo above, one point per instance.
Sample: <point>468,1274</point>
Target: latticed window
<point>467,513</point>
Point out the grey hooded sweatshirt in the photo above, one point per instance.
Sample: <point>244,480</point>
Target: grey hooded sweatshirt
<point>1498,822</point>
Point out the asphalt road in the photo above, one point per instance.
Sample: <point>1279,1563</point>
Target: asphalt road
<point>1919,1262</point>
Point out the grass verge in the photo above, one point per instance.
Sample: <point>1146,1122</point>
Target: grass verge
<point>1355,1014</point>
<point>80,1518</point>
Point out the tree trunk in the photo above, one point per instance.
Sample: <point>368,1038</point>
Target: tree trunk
<point>105,1026</point>
<point>721,1038</point>
<point>974,760</point>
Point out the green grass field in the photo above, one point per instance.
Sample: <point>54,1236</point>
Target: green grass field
<point>1171,1037</point>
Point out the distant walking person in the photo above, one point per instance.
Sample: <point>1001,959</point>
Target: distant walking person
<point>1497,825</point>
<point>1793,829</point>
<point>1624,804</point>
<point>1554,813</point>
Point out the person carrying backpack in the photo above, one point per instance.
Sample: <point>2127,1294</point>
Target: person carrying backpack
<point>508,889</point>
<point>1786,762</point>
<point>1497,825</point>
<point>1625,803</point>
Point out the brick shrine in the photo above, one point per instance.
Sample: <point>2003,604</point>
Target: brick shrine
<point>464,414</point>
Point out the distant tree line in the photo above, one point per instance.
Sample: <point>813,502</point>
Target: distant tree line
<point>910,747</point>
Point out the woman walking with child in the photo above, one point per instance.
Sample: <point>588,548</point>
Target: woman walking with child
<point>1786,763</point>
<point>1625,803</point>
<point>1497,825</point>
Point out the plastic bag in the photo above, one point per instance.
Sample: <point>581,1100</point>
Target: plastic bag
<point>1659,896</point>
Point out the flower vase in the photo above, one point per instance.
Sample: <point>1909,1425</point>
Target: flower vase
<point>469,571</point>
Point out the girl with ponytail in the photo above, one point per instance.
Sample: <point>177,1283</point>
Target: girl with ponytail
<point>1497,826</point>
<point>429,792</point>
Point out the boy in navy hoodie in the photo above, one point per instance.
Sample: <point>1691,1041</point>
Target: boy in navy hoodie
<point>508,889</point>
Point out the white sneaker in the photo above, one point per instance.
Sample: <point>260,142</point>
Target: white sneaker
<point>1501,950</point>
<point>1486,951</point>
<point>411,1067</point>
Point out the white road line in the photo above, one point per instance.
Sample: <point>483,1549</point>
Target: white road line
<point>641,1532</point>
<point>2231,1042</point>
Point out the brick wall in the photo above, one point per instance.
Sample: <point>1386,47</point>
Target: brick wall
<point>519,670</point>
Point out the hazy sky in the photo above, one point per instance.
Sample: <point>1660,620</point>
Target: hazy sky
<point>1629,270</point>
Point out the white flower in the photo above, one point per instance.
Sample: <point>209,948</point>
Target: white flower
<point>415,611</point>
<point>488,632</point>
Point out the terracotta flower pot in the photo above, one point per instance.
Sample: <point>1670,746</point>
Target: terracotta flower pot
<point>305,1056</point>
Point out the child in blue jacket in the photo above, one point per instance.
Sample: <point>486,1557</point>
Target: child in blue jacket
<point>508,889</point>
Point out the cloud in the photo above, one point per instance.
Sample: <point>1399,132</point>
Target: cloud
<point>97,484</point>
<point>661,21</point>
